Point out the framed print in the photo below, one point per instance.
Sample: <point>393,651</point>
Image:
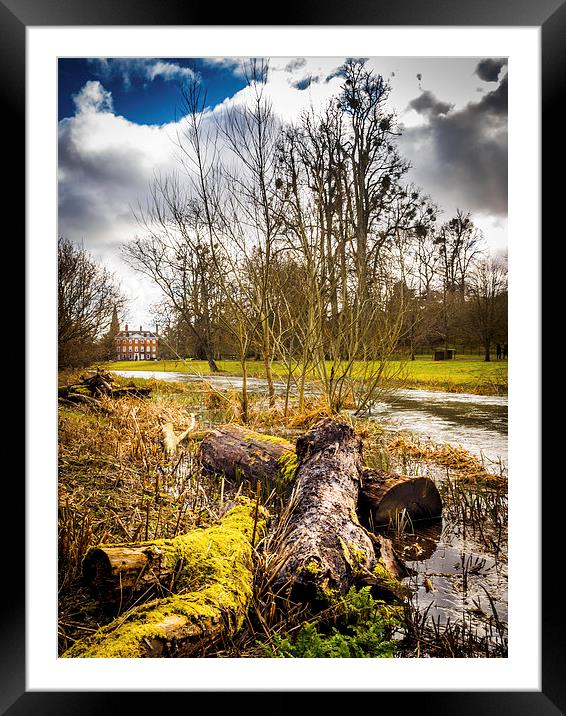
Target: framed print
<point>290,290</point>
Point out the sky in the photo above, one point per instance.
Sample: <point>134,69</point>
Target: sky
<point>119,119</point>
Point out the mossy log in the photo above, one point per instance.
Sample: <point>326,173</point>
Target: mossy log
<point>240,453</point>
<point>244,454</point>
<point>322,549</point>
<point>213,585</point>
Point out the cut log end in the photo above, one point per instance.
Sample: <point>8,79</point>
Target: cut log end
<point>115,574</point>
<point>386,499</point>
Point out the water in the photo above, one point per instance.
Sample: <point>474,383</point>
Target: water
<point>220,382</point>
<point>476,422</point>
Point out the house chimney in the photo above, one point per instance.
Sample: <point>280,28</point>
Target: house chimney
<point>140,329</point>
<point>126,327</point>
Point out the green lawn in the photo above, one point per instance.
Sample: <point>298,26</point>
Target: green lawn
<point>464,374</point>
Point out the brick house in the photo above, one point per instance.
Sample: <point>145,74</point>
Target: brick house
<point>136,345</point>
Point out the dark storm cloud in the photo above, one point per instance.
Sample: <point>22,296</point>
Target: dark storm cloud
<point>488,70</point>
<point>460,157</point>
<point>338,72</point>
<point>96,188</point>
<point>295,64</point>
<point>305,82</point>
<point>426,103</point>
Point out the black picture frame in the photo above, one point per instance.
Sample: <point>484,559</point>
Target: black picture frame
<point>550,16</point>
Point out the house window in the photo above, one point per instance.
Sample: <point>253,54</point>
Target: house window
<point>153,349</point>
<point>130,349</point>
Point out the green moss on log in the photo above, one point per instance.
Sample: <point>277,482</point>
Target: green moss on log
<point>289,462</point>
<point>213,591</point>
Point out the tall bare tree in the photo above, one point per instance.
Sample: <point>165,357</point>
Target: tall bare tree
<point>251,132</point>
<point>88,295</point>
<point>175,253</point>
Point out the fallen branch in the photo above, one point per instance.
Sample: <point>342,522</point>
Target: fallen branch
<point>242,454</point>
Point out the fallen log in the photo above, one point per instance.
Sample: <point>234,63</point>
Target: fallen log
<point>115,573</point>
<point>322,549</point>
<point>240,453</point>
<point>213,573</point>
<point>246,455</point>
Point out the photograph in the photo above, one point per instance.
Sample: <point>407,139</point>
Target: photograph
<point>282,357</point>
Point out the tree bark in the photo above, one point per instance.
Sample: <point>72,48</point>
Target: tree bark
<point>213,574</point>
<point>322,550</point>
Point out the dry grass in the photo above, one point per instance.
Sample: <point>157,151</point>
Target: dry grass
<point>463,464</point>
<point>117,484</point>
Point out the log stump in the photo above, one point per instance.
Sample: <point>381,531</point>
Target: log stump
<point>387,498</point>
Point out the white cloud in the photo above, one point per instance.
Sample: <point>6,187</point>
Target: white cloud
<point>93,98</point>
<point>106,164</point>
<point>146,69</point>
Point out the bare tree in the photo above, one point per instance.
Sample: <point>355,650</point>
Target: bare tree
<point>487,301</point>
<point>251,133</point>
<point>343,210</point>
<point>459,244</point>
<point>88,295</point>
<point>175,253</point>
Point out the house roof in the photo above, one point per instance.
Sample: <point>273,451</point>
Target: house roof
<point>135,334</point>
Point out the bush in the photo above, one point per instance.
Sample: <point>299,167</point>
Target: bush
<point>362,629</point>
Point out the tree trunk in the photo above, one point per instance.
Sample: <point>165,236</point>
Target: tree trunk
<point>244,393</point>
<point>212,573</point>
<point>247,455</point>
<point>211,362</point>
<point>322,550</point>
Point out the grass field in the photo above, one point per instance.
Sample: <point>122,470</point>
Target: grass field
<point>463,374</point>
